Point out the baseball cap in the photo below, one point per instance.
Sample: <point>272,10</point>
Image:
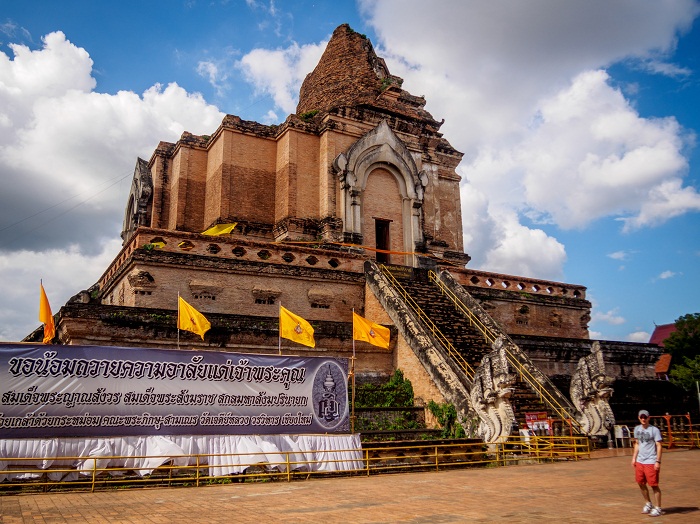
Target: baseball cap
<point>643,412</point>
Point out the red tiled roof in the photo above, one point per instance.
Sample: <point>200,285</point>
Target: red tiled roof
<point>661,333</point>
<point>663,364</point>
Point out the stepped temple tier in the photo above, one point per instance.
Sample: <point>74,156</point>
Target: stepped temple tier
<point>352,203</point>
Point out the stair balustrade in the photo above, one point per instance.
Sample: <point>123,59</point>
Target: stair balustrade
<point>540,384</point>
<point>410,302</point>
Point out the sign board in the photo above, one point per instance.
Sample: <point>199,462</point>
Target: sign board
<point>76,391</point>
<point>538,420</point>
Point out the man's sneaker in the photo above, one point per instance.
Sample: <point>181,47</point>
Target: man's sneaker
<point>647,507</point>
<point>656,512</point>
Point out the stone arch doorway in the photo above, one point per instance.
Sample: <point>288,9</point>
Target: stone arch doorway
<point>381,192</point>
<point>382,216</point>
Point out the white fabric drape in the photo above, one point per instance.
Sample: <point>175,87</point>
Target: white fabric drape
<point>223,454</point>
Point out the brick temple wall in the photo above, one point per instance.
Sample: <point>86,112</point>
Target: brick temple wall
<point>527,306</point>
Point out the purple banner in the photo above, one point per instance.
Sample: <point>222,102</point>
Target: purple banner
<point>77,391</point>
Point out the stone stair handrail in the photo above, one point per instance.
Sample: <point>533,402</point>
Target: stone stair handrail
<point>491,331</point>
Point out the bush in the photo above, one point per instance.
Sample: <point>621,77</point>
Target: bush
<point>396,393</point>
<point>446,415</point>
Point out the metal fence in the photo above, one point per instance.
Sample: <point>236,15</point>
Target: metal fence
<point>677,430</point>
<point>376,458</point>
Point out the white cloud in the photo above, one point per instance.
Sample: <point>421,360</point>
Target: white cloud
<point>270,118</point>
<point>608,317</point>
<point>666,275</point>
<point>280,72</point>
<point>667,69</point>
<point>214,75</point>
<point>524,251</point>
<point>69,140</point>
<point>592,156</point>
<point>639,336</point>
<point>66,169</point>
<point>64,271</point>
<point>619,255</point>
<point>666,200</point>
<point>565,148</point>
<point>546,136</point>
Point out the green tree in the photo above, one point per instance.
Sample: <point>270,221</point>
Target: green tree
<point>685,340</point>
<point>685,375</point>
<point>684,345</point>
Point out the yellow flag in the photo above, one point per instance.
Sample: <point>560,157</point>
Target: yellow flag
<point>363,329</point>
<point>219,229</point>
<point>189,319</point>
<point>46,316</point>
<point>295,328</point>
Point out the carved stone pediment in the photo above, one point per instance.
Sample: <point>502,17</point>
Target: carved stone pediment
<point>319,295</point>
<point>139,279</point>
<point>263,291</point>
<point>199,287</point>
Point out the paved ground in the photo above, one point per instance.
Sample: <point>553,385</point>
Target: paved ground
<point>597,490</point>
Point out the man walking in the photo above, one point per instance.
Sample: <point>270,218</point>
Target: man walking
<point>646,460</point>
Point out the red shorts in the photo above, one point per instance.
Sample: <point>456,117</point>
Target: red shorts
<point>646,474</point>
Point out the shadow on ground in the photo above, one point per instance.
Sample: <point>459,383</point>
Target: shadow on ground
<point>680,510</point>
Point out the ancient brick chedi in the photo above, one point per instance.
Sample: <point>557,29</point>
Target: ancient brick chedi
<point>309,178</point>
<point>345,205</point>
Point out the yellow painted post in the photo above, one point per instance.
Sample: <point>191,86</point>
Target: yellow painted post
<point>436,459</point>
<point>367,460</point>
<point>94,474</point>
<point>196,474</point>
<point>289,469</point>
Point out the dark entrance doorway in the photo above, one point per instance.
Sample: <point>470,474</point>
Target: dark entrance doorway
<point>381,233</point>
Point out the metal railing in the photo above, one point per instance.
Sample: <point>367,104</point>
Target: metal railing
<point>540,385</point>
<point>375,459</point>
<point>677,431</point>
<point>410,302</point>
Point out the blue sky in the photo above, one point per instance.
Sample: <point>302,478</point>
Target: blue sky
<point>578,121</point>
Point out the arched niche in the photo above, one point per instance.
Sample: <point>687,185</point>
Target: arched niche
<point>381,150</point>
<point>138,206</point>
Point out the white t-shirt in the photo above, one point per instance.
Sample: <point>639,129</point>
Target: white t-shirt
<point>646,442</point>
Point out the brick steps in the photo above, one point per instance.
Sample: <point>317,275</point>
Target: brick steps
<point>468,341</point>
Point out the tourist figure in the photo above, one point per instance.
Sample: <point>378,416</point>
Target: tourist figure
<point>646,460</point>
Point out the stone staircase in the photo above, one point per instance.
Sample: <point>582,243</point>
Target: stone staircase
<point>468,341</point>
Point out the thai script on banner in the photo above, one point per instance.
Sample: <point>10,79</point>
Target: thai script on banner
<point>50,366</point>
<point>110,391</point>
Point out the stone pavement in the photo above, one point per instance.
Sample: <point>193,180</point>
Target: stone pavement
<point>597,490</point>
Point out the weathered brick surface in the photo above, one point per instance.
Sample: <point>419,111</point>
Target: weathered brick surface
<point>269,178</point>
<point>383,202</point>
<point>424,388</point>
<point>527,306</point>
<point>345,75</point>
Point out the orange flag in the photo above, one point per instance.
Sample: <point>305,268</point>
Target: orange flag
<point>368,331</point>
<point>295,328</point>
<point>46,316</point>
<point>189,319</point>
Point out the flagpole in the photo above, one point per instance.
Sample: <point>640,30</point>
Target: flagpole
<point>352,374</point>
<point>178,320</point>
<point>279,330</point>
